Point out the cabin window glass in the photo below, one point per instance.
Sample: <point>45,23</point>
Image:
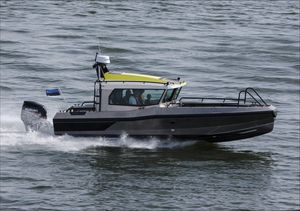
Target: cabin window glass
<point>177,93</point>
<point>171,93</point>
<point>135,97</point>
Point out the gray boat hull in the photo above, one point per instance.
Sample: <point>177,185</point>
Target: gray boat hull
<point>215,124</point>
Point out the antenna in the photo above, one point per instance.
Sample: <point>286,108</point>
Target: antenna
<point>100,63</point>
<point>99,50</point>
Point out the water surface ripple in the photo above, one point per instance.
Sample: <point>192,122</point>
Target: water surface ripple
<point>218,46</point>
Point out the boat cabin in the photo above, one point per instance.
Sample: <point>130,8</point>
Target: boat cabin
<point>127,91</point>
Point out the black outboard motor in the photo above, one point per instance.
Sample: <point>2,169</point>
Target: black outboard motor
<point>34,116</point>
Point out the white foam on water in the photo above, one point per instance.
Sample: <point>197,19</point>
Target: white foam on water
<point>14,136</point>
<point>37,140</point>
<point>11,123</point>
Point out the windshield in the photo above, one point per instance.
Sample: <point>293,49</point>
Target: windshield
<point>171,95</point>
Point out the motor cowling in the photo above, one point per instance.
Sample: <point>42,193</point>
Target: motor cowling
<point>33,115</point>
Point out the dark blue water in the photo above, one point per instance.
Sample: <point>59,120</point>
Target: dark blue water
<point>219,47</point>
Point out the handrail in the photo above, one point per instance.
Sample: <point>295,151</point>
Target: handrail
<point>81,106</point>
<point>257,95</point>
<point>86,102</point>
<point>257,100</point>
<point>246,92</point>
<point>240,93</point>
<point>208,98</point>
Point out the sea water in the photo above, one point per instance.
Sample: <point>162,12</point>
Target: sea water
<point>219,47</point>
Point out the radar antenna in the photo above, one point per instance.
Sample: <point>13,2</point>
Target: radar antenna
<point>100,64</point>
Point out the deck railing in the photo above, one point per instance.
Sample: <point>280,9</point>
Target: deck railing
<point>260,101</point>
<point>243,99</point>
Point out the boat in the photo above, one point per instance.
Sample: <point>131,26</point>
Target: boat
<point>149,106</point>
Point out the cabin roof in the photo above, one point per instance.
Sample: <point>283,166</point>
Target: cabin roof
<point>131,77</point>
<point>109,76</point>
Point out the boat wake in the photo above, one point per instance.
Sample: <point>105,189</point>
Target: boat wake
<point>13,136</point>
<point>38,140</point>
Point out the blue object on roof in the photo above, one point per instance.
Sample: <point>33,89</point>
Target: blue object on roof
<point>52,92</point>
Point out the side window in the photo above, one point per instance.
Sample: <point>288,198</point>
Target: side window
<point>152,96</point>
<point>135,97</point>
<point>170,95</point>
<point>116,97</point>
